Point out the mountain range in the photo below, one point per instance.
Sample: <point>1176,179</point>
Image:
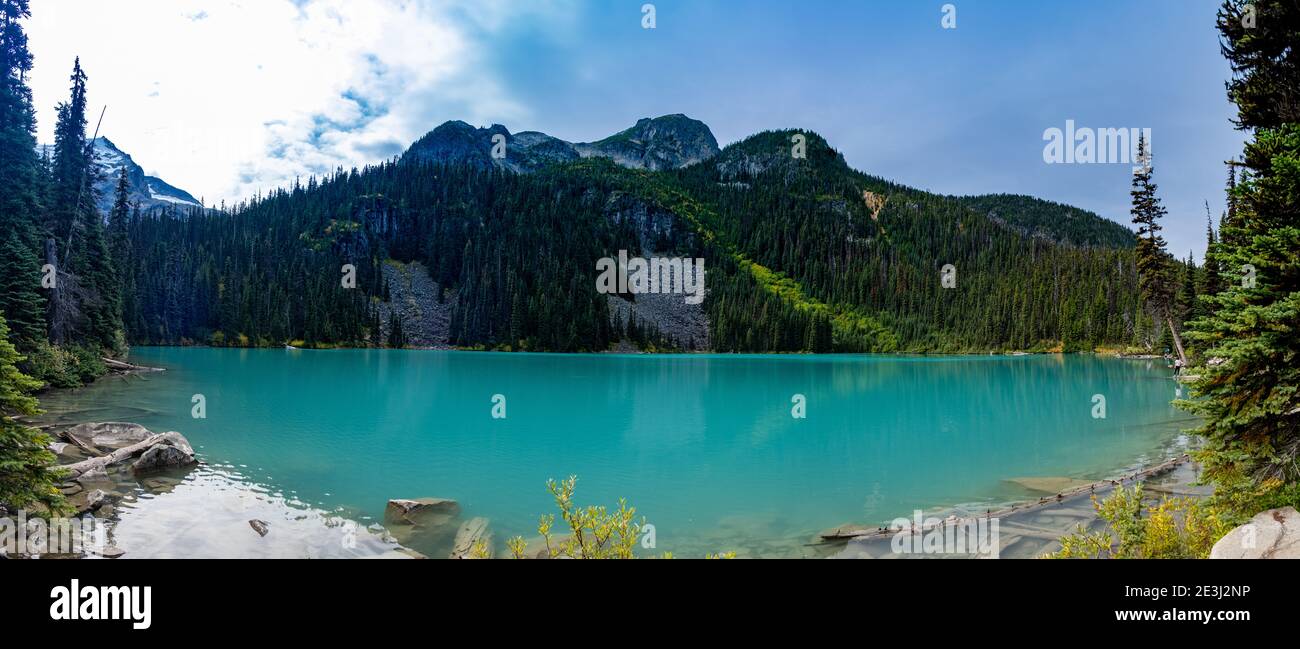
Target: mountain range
<point>666,142</point>
<point>676,141</point>
<point>485,239</point>
<point>661,143</point>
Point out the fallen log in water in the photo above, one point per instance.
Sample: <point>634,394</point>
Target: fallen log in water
<point>120,366</point>
<point>850,531</point>
<point>180,446</point>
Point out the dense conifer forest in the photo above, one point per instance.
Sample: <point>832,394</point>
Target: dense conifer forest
<point>804,255</point>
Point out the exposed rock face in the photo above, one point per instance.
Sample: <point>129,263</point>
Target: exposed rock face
<point>413,297</point>
<point>666,142</point>
<point>459,143</point>
<point>1272,534</point>
<point>669,313</point>
<point>653,225</point>
<point>686,324</point>
<point>148,192</point>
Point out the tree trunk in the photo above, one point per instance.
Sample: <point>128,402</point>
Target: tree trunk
<point>75,470</point>
<point>1178,340</point>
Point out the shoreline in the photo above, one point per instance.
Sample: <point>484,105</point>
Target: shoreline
<point>844,541</point>
<point>324,347</point>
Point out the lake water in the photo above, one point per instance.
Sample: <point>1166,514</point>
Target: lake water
<point>704,446</point>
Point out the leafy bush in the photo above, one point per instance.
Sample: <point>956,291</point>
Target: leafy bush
<point>594,532</point>
<point>1174,528</point>
<point>52,366</point>
<point>88,363</point>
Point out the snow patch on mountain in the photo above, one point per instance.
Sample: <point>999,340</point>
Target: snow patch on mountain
<point>148,191</point>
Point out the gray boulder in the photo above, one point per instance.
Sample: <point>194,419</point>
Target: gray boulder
<point>96,498</point>
<point>110,435</point>
<point>259,526</point>
<point>173,451</point>
<point>1272,534</point>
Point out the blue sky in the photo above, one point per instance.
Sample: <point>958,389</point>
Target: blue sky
<point>956,111</point>
<point>228,98</point>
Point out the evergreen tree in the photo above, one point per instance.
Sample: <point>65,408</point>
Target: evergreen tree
<point>1249,388</point>
<point>1211,275</point>
<point>20,299</point>
<point>121,286</point>
<point>1187,291</point>
<point>85,306</point>
<point>1155,276</point>
<point>26,478</point>
<point>396,338</point>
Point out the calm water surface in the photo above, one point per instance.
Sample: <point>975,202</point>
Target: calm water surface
<point>704,446</point>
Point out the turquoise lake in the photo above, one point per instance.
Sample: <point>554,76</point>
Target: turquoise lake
<point>704,446</point>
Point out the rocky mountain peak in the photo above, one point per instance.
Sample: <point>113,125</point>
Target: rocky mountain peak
<point>148,191</point>
<point>666,142</point>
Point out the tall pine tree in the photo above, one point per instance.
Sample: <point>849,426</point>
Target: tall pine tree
<point>21,301</point>
<point>84,307</point>
<point>1249,388</point>
<point>1155,274</point>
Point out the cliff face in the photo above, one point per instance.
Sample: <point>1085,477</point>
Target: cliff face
<point>666,142</point>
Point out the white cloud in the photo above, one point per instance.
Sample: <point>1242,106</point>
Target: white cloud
<point>225,99</point>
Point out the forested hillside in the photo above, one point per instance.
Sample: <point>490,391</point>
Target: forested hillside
<point>803,254</point>
<point>1052,221</point>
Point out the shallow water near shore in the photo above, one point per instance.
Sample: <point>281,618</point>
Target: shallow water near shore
<point>704,446</point>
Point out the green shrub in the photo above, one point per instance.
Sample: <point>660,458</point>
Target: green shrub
<point>52,366</point>
<point>26,478</point>
<point>1174,528</point>
<point>594,532</point>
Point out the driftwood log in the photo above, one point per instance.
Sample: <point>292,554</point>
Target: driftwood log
<point>127,367</point>
<point>82,444</point>
<point>77,469</point>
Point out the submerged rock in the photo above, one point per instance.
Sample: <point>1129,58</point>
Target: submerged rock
<point>111,552</point>
<point>160,485</point>
<point>1048,484</point>
<point>421,512</point>
<point>110,435</point>
<point>1272,534</point>
<point>95,476</point>
<point>470,534</point>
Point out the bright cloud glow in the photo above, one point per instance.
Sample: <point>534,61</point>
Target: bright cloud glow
<point>226,99</point>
